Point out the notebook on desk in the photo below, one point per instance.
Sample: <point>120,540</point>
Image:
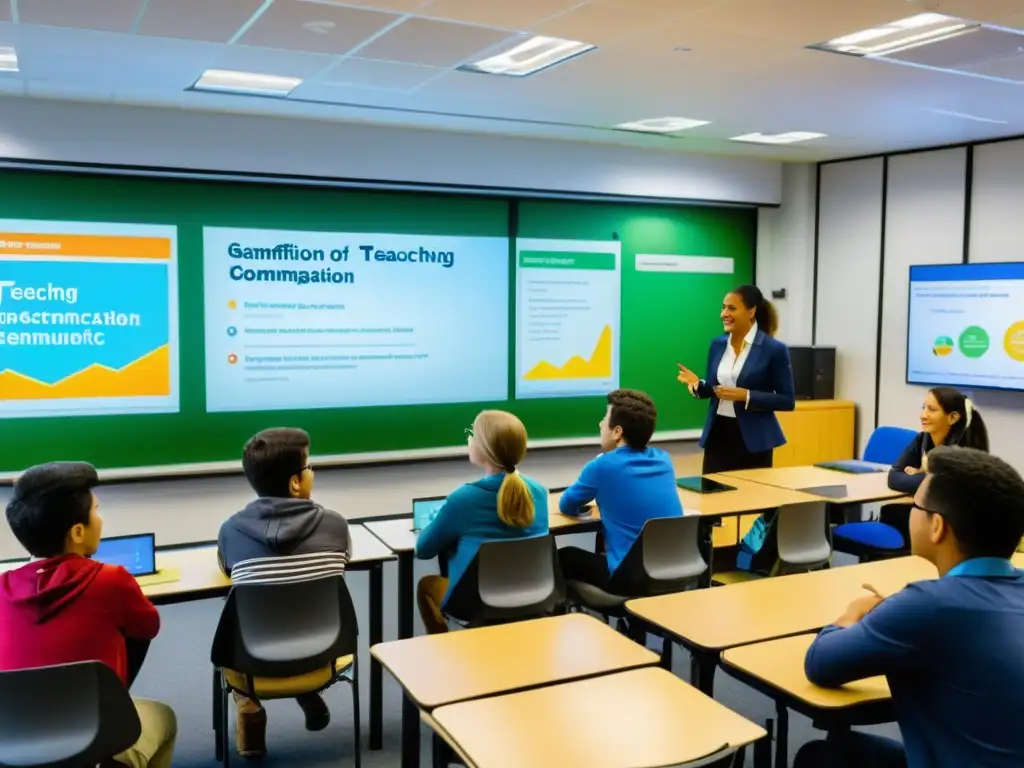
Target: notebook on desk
<point>851,466</point>
<point>699,484</point>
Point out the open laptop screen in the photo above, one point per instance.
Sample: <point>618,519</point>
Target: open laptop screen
<point>424,510</point>
<point>137,553</point>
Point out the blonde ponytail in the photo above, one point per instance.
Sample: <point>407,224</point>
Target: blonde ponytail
<point>502,438</point>
<point>515,502</point>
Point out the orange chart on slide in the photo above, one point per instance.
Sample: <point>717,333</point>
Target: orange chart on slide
<point>148,376</point>
<point>598,366</point>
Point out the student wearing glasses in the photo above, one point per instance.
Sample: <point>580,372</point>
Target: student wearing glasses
<point>503,504</point>
<point>952,649</point>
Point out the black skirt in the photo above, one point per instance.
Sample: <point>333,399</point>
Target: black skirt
<point>724,449</point>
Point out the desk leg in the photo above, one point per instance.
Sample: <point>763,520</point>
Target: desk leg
<point>702,671</point>
<point>406,597</point>
<point>410,712</point>
<point>763,748</point>
<point>781,736</point>
<point>376,671</point>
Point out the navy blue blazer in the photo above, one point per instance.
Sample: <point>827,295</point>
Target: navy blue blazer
<point>768,375</point>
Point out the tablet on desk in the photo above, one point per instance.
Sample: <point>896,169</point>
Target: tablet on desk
<point>851,466</point>
<point>425,510</point>
<point>699,484</point>
<point>136,553</point>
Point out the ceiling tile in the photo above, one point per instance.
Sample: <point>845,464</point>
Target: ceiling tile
<point>315,27</point>
<point>245,58</point>
<point>438,43</point>
<point>603,22</point>
<point>993,11</point>
<point>197,19</point>
<point>403,6</point>
<point>109,15</point>
<point>517,15</point>
<point>370,73</point>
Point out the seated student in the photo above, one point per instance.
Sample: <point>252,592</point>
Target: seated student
<point>280,535</point>
<point>631,482</point>
<point>952,649</point>
<point>64,607</point>
<point>948,417</point>
<point>503,504</point>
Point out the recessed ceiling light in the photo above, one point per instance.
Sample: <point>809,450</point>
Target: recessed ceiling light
<point>253,83</point>
<point>662,124</point>
<point>778,138</point>
<point>8,60</point>
<point>887,39</point>
<point>529,57</point>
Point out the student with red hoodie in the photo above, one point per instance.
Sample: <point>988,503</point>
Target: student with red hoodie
<point>63,607</point>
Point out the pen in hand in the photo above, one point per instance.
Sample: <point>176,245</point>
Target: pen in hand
<point>873,591</point>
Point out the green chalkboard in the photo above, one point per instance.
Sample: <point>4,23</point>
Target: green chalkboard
<point>666,317</point>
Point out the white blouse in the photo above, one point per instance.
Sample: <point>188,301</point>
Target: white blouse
<point>729,370</point>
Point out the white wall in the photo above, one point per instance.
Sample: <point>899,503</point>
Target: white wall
<point>849,239</point>
<point>785,252</point>
<point>155,137</point>
<point>997,234</point>
<point>924,221</point>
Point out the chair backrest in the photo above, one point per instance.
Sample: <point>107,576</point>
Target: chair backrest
<point>671,553</point>
<point>508,580</point>
<point>887,443</point>
<point>66,716</point>
<point>803,536</point>
<point>285,629</point>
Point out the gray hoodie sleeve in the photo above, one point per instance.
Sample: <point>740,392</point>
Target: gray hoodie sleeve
<point>332,535</point>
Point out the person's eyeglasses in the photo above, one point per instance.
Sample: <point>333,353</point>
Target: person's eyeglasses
<point>309,467</point>
<point>925,509</point>
<point>469,432</point>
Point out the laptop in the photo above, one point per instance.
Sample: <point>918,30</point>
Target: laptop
<point>699,484</point>
<point>851,466</point>
<point>424,510</point>
<point>137,553</point>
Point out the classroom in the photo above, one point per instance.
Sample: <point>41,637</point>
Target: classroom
<point>614,372</point>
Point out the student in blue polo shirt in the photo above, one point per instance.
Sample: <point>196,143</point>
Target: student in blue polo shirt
<point>952,649</point>
<point>631,482</point>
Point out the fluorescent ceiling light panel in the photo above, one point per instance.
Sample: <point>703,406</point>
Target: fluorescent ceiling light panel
<point>530,57</point>
<point>662,125</point>
<point>252,83</point>
<point>887,39</point>
<point>8,60</point>
<point>778,138</point>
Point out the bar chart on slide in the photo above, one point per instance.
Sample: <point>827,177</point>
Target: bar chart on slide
<point>567,317</point>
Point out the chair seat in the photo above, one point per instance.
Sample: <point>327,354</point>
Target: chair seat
<point>598,599</point>
<point>869,534</point>
<point>287,687</point>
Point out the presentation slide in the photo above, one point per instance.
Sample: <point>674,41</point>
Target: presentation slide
<point>966,325</point>
<point>300,320</point>
<point>567,317</point>
<point>88,319</point>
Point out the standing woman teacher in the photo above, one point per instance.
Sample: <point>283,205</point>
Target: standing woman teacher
<point>748,378</point>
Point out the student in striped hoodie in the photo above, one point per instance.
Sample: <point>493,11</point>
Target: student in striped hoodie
<point>282,535</point>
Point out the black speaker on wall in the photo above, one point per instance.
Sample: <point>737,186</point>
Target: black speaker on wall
<point>814,372</point>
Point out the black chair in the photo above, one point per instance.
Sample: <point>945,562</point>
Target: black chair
<point>280,640</point>
<point>665,558</point>
<point>509,580</point>
<point>67,716</point>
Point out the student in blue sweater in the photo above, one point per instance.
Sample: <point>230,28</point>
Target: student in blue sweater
<point>631,482</point>
<point>502,504</point>
<point>952,649</point>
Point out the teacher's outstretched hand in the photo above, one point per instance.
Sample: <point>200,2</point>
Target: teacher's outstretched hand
<point>748,378</point>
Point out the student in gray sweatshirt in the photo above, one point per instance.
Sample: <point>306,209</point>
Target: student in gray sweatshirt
<point>277,535</point>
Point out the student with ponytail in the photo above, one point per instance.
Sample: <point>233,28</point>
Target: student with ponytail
<point>948,417</point>
<point>503,504</point>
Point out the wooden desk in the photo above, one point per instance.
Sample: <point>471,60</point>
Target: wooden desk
<point>708,621</point>
<point>660,721</point>
<point>859,488</point>
<point>776,669</point>
<point>443,669</point>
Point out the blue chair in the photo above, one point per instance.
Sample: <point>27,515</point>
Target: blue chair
<point>871,540</point>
